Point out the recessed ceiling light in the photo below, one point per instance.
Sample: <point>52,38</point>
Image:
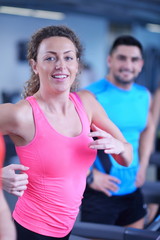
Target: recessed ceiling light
<point>32,13</point>
<point>153,27</point>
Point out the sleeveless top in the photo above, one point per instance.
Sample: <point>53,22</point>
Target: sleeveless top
<point>2,154</point>
<point>128,109</point>
<point>57,172</point>
<point>2,150</point>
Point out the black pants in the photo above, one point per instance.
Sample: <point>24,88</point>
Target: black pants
<point>25,234</point>
<point>115,210</point>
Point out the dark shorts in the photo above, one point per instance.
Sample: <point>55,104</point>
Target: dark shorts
<point>25,234</point>
<point>116,210</point>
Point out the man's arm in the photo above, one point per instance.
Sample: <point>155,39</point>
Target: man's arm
<point>146,145</point>
<point>156,108</point>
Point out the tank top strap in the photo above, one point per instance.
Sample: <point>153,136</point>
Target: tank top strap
<point>38,114</point>
<point>32,102</point>
<point>79,105</point>
<point>75,97</point>
<point>35,107</point>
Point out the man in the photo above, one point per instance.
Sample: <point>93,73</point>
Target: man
<point>113,194</point>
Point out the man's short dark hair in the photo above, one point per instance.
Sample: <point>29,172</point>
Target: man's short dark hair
<point>128,41</point>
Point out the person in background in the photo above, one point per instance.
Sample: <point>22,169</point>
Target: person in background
<point>154,209</point>
<point>50,128</point>
<point>7,228</point>
<point>113,193</point>
<point>156,107</point>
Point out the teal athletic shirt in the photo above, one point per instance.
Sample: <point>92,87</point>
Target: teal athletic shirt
<point>128,109</point>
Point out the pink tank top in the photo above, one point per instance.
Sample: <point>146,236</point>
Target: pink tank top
<point>57,175</point>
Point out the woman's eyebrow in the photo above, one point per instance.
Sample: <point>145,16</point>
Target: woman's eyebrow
<point>53,52</point>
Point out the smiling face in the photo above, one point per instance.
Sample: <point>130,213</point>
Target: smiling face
<point>56,65</point>
<point>125,64</point>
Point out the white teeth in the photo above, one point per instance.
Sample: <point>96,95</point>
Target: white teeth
<point>127,71</point>
<point>60,76</point>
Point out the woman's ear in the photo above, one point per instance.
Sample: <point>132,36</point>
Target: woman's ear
<point>33,65</point>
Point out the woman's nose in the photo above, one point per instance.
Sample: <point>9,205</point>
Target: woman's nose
<point>60,64</point>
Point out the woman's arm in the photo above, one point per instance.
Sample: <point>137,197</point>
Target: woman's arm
<point>7,228</point>
<point>16,120</point>
<point>8,118</point>
<point>110,138</point>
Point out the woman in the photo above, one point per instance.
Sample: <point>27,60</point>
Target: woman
<point>51,131</point>
<point>7,228</point>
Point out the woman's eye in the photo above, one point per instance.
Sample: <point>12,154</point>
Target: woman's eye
<point>68,58</point>
<point>51,59</point>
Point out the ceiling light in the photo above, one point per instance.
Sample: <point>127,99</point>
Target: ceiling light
<point>49,15</point>
<point>32,13</point>
<point>153,27</point>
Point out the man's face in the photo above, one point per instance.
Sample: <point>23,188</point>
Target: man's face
<point>125,64</point>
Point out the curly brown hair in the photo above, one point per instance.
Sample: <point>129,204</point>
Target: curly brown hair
<point>33,84</point>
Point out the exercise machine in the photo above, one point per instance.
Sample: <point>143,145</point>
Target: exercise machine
<point>110,232</point>
<point>86,231</point>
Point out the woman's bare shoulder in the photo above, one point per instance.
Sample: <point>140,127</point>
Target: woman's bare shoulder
<point>86,96</point>
<point>13,115</point>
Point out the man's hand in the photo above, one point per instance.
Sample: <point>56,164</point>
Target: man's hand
<point>104,182</point>
<point>12,182</point>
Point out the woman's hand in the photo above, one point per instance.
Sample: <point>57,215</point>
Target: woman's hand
<point>105,141</point>
<point>12,182</point>
<point>120,150</point>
